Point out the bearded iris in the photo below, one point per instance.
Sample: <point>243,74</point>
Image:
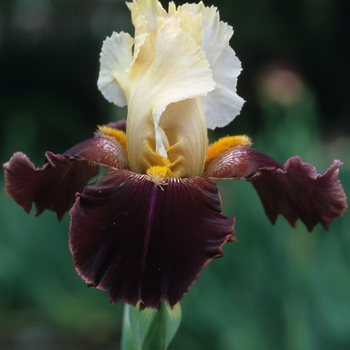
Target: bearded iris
<point>145,230</point>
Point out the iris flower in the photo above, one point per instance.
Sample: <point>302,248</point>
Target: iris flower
<point>146,229</point>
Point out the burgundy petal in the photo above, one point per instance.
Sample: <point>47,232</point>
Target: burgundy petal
<point>145,243</point>
<point>297,191</point>
<point>53,186</point>
<point>239,163</point>
<point>100,150</point>
<point>294,190</point>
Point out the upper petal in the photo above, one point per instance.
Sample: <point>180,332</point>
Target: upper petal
<point>116,57</point>
<point>178,72</point>
<point>223,104</point>
<point>294,189</point>
<point>143,242</point>
<point>180,55</point>
<point>184,132</point>
<point>144,14</point>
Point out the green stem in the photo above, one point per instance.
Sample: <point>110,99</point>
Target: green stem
<point>128,340</point>
<point>149,329</point>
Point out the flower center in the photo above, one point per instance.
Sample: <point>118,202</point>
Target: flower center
<point>159,174</point>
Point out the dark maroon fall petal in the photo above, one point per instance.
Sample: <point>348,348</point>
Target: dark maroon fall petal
<point>239,163</point>
<point>297,191</point>
<point>52,186</point>
<point>101,150</point>
<point>294,189</point>
<point>145,243</point>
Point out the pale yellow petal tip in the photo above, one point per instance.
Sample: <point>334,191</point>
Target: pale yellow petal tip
<point>116,134</point>
<point>227,143</point>
<point>159,174</point>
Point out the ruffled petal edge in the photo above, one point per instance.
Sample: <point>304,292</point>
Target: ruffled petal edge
<point>143,242</point>
<point>294,190</point>
<point>53,186</point>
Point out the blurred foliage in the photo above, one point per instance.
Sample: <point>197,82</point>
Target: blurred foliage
<point>278,288</point>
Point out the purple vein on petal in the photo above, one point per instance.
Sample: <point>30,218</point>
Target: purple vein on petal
<point>149,227</point>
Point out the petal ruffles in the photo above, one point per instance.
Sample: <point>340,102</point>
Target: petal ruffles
<point>145,243</point>
<point>53,186</point>
<point>224,64</point>
<point>298,191</point>
<point>294,189</point>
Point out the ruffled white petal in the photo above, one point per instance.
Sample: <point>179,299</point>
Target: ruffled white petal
<point>115,59</point>
<point>178,76</point>
<point>179,71</point>
<point>146,10</point>
<point>189,22</point>
<point>223,104</point>
<point>144,15</point>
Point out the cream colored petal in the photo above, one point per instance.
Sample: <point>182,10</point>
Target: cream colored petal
<point>189,22</point>
<point>226,69</point>
<point>223,104</point>
<point>146,11</point>
<point>143,16</point>
<point>188,140</point>
<point>171,8</point>
<point>184,125</point>
<point>140,40</point>
<point>115,59</point>
<point>179,71</point>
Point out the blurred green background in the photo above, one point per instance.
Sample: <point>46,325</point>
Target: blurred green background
<point>277,288</point>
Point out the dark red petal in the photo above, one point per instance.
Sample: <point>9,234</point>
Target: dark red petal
<point>239,163</point>
<point>294,190</point>
<point>52,186</point>
<point>145,243</point>
<point>297,191</point>
<point>100,150</point>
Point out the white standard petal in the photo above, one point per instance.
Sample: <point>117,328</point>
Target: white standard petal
<point>179,71</point>
<point>115,59</point>
<point>144,15</point>
<point>188,140</point>
<point>149,10</point>
<point>223,104</point>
